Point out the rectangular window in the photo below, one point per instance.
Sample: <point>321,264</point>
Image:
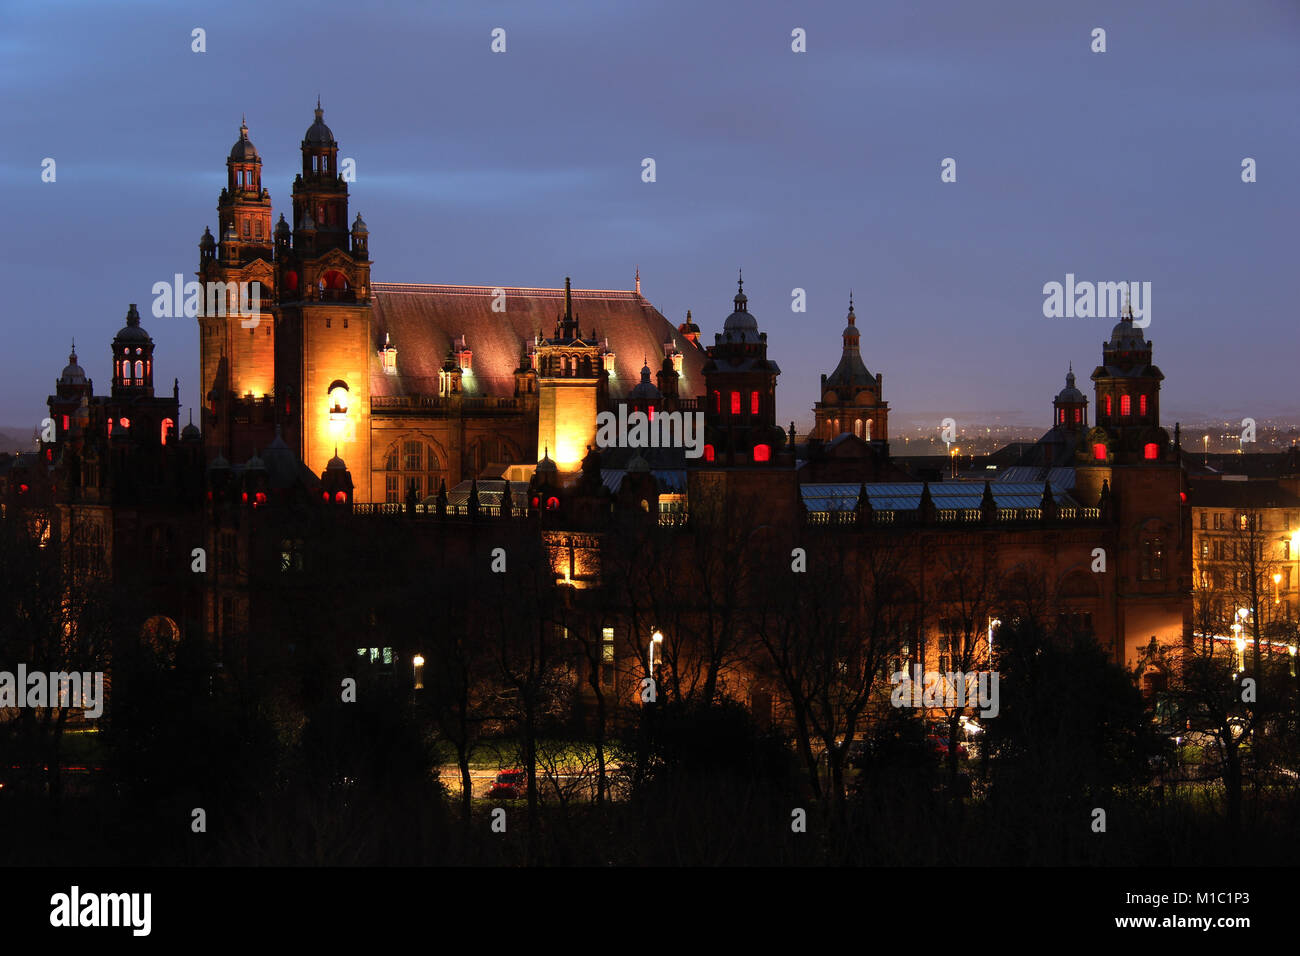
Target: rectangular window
<point>735,403</point>
<point>1108,407</point>
<point>1153,559</point>
<point>392,488</point>
<point>1142,405</point>
<point>753,403</point>
<point>1205,550</point>
<point>413,452</point>
<point>1202,520</point>
<point>1125,406</point>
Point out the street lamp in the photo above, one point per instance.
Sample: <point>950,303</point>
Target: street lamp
<point>655,638</point>
<point>993,622</point>
<point>417,664</point>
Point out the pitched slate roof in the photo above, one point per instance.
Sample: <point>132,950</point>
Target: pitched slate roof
<point>422,321</point>
<point>906,496</point>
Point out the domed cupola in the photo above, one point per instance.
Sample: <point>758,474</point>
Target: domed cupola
<point>1070,407</point>
<point>318,134</point>
<point>740,326</point>
<point>207,244</point>
<point>645,394</point>
<point>73,374</point>
<point>132,358</point>
<point>244,151</point>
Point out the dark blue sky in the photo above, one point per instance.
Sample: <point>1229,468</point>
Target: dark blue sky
<point>817,170</point>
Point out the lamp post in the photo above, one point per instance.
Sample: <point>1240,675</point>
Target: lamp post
<point>655,638</point>
<point>417,664</point>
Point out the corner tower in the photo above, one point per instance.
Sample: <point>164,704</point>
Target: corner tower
<point>850,396</point>
<point>236,339</point>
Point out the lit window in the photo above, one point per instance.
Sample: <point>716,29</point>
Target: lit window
<point>552,504</point>
<point>340,497</point>
<point>762,453</point>
<point>753,403</point>
<point>1125,406</point>
<point>1108,405</point>
<point>1142,404</point>
<point>708,453</point>
<point>167,425</point>
<point>717,401</point>
<point>1060,416</point>
<point>1099,452</point>
<point>124,422</point>
<point>1151,451</point>
<point>735,403</point>
<point>338,395</point>
<point>1078,415</point>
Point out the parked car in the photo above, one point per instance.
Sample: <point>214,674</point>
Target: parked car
<point>940,745</point>
<point>509,785</point>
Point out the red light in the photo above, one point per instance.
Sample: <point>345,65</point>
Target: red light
<point>735,403</point>
<point>340,497</point>
<point>325,495</point>
<point>536,500</point>
<point>209,496</point>
<point>245,496</point>
<point>1125,406</point>
<point>762,453</point>
<point>1099,452</point>
<point>65,423</point>
<point>717,401</point>
<point>1142,404</point>
<point>753,403</point>
<point>124,422</point>
<point>259,499</point>
<point>552,503</point>
<point>708,453</point>
<point>23,489</point>
<point>1151,451</point>
<point>1182,496</point>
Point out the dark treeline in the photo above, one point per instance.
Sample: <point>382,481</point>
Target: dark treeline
<point>520,673</point>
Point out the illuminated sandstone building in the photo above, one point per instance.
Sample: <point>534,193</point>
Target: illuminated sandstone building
<point>414,386</point>
<point>446,416</point>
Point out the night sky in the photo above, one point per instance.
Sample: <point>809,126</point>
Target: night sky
<point>818,170</point>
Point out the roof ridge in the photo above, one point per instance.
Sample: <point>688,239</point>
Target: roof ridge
<point>418,288</point>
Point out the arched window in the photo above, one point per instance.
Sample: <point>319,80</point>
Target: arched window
<point>1151,451</point>
<point>1060,416</point>
<point>1099,452</point>
<point>762,453</point>
<point>858,427</point>
<point>1125,406</point>
<point>338,400</point>
<point>139,369</point>
<point>411,462</point>
<point>708,451</point>
<point>868,433</point>
<point>167,425</point>
<point>1108,406</point>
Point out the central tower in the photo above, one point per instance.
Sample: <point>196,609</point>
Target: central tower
<point>571,386</point>
<point>323,324</point>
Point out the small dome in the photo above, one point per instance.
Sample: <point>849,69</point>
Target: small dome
<point>218,464</point>
<point>131,332</point>
<point>1070,394</point>
<point>689,325</point>
<point>645,389</point>
<point>336,463</point>
<point>191,433</point>
<point>254,464</point>
<point>359,226</point>
<point>318,134</point>
<point>73,374</point>
<point>281,227</point>
<point>207,240</point>
<point>243,151</point>
<point>638,465</point>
